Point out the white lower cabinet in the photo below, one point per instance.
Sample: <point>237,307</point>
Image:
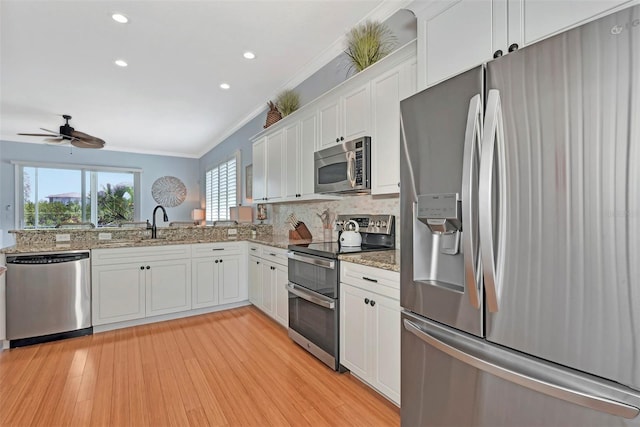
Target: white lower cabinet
<point>279,279</point>
<point>255,281</point>
<point>133,283</point>
<point>219,274</point>
<point>370,326</point>
<point>118,293</point>
<point>168,286</point>
<point>268,278</point>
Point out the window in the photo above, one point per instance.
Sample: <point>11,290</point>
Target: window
<point>222,189</point>
<point>48,196</point>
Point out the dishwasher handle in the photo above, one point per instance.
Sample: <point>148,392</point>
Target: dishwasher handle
<point>55,258</point>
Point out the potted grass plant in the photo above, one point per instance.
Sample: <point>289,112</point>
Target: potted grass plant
<point>287,102</point>
<point>368,43</point>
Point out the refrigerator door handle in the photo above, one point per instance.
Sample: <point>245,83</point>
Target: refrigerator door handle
<point>565,390</point>
<point>473,136</point>
<point>492,147</point>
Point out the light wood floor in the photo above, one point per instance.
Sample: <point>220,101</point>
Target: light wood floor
<point>233,368</point>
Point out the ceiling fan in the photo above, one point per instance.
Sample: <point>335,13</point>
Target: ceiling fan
<point>70,135</point>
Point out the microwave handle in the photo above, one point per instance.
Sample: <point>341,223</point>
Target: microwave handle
<point>351,168</point>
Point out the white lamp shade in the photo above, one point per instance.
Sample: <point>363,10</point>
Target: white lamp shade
<point>197,214</point>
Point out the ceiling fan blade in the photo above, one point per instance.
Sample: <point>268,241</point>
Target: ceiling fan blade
<point>36,134</point>
<point>52,131</point>
<point>84,140</point>
<point>82,144</point>
<point>56,140</point>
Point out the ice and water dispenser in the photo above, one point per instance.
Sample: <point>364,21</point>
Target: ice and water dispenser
<point>441,213</point>
<point>437,234</point>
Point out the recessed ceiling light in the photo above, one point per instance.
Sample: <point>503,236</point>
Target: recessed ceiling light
<point>225,86</point>
<point>121,63</point>
<point>118,17</point>
<point>249,55</point>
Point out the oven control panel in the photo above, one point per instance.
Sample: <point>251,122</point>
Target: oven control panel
<point>377,224</point>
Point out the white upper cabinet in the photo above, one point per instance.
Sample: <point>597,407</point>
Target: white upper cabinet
<point>299,143</point>
<point>307,146</point>
<point>329,118</point>
<point>291,163</point>
<point>259,169</point>
<point>356,113</point>
<point>456,35</point>
<point>267,167</point>
<point>274,165</point>
<point>386,93</point>
<point>366,104</point>
<point>544,18</point>
<point>344,117</point>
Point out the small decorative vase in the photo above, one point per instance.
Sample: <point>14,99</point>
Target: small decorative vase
<point>273,115</point>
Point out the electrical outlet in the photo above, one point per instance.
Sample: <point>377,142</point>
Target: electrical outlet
<point>63,237</point>
<point>104,236</point>
<point>232,232</point>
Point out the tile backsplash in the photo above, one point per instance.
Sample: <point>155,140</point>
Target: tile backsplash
<point>307,212</point>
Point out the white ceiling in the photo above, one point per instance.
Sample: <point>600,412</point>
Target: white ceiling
<point>57,57</point>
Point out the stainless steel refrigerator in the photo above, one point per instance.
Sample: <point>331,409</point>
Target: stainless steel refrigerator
<point>520,237</point>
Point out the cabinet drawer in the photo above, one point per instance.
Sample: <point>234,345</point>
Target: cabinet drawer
<point>147,253</point>
<point>216,249</point>
<point>383,282</point>
<point>255,250</point>
<point>277,255</point>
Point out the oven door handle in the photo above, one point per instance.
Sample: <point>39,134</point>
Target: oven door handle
<point>311,297</point>
<point>324,263</point>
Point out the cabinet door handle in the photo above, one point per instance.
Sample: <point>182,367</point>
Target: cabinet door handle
<point>257,262</point>
<point>366,300</point>
<point>369,279</point>
<point>497,53</point>
<point>342,138</point>
<point>148,267</point>
<point>220,261</point>
<point>222,249</point>
<point>513,47</point>
<point>253,249</point>
<point>216,261</point>
<point>372,303</point>
<point>337,139</point>
<point>142,267</point>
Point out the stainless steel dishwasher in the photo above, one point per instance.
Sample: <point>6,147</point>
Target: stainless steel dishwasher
<point>48,296</point>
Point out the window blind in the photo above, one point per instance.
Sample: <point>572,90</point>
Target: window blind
<point>221,188</point>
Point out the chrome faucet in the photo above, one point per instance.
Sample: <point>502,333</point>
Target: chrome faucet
<point>154,228</point>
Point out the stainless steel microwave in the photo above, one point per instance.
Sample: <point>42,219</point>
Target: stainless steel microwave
<point>345,168</point>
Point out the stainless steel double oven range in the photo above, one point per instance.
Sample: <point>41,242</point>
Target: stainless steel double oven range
<point>314,280</point>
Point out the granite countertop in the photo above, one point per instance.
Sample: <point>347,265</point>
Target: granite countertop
<point>386,260</point>
<point>110,244</point>
<point>281,242</point>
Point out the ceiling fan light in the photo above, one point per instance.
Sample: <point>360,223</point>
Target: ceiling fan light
<point>249,55</point>
<point>121,63</point>
<point>225,86</point>
<point>118,17</point>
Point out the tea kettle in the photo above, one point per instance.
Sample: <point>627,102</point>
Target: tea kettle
<point>351,237</point>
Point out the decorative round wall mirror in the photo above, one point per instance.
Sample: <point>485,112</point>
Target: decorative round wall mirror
<point>169,191</point>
